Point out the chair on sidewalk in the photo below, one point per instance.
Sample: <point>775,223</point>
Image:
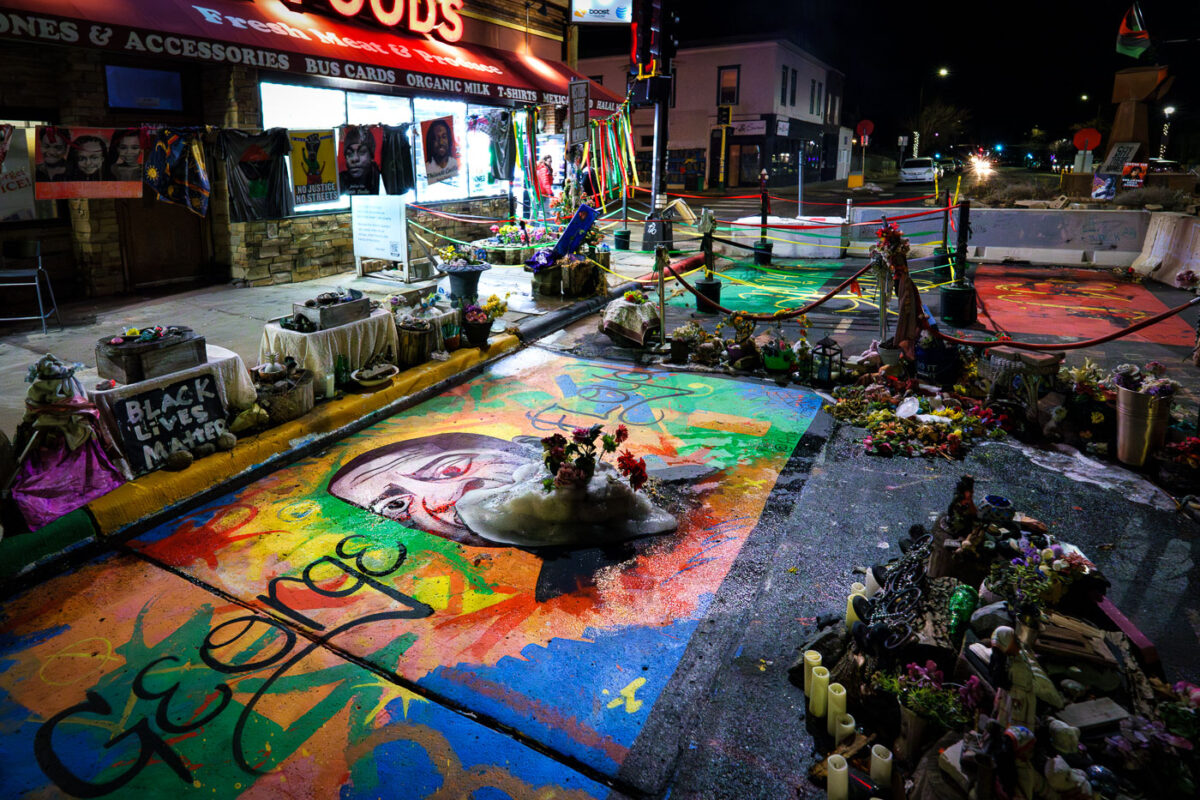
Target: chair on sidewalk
<point>21,265</point>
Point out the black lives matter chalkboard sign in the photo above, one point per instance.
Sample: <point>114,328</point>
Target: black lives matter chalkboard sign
<point>158,422</point>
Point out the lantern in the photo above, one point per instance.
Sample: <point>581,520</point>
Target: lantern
<point>827,363</point>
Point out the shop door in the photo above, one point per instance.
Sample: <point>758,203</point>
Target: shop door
<point>163,244</point>
<point>735,165</point>
<point>748,166</point>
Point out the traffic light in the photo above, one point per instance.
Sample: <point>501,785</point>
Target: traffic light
<point>654,36</point>
<point>724,115</point>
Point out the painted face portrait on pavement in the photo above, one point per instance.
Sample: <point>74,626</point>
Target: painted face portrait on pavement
<point>418,482</point>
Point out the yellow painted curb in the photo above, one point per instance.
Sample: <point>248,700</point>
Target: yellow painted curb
<point>151,493</point>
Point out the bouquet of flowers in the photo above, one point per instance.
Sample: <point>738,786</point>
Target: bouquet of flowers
<point>892,243</point>
<point>542,259</point>
<point>572,462</point>
<point>490,311</point>
<point>924,691</point>
<point>636,297</point>
<point>508,234</point>
<point>1146,380</point>
<point>1186,452</point>
<point>743,327</point>
<point>462,258</point>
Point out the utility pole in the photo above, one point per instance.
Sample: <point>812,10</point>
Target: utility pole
<point>654,47</point>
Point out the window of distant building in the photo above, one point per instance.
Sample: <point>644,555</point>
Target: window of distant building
<point>674,83</point>
<point>820,96</point>
<point>812,96</point>
<point>597,78</point>
<point>783,88</point>
<point>793,88</point>
<point>727,85</point>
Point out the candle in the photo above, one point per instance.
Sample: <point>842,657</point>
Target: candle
<point>855,590</point>
<point>835,706</point>
<point>844,729</point>
<point>329,389</point>
<point>811,659</point>
<point>818,698</point>
<point>881,766</point>
<point>838,785</point>
<point>873,586</point>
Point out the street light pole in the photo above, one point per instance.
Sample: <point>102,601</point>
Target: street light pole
<point>1166,131</point>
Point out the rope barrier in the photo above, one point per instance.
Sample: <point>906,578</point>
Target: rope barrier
<point>856,203</point>
<point>915,215</point>
<point>1108,337</point>
<point>782,313</point>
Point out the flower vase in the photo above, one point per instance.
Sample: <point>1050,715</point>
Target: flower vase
<point>777,364</point>
<point>451,343</point>
<point>915,731</point>
<point>1141,425</point>
<point>548,281</point>
<point>477,332</point>
<point>679,351</point>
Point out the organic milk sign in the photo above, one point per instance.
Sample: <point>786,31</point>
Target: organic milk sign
<point>158,422</point>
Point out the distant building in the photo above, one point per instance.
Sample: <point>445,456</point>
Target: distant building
<point>784,102</point>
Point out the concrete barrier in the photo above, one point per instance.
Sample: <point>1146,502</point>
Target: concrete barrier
<point>1172,246</point>
<point>825,242</point>
<point>1038,235</point>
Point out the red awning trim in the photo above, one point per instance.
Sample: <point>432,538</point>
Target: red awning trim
<point>269,35</point>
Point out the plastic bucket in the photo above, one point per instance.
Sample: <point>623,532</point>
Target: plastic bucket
<point>1141,425</point>
<point>621,240</point>
<point>711,291</point>
<point>958,305</point>
<point>762,253</point>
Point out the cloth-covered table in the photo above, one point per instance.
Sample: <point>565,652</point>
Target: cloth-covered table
<point>233,383</point>
<point>359,341</point>
<point>631,321</point>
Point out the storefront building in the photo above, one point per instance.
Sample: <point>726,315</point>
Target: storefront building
<point>785,106</point>
<point>253,65</point>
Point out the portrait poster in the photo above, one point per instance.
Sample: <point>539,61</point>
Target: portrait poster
<point>314,167</point>
<point>439,149</point>
<point>75,162</point>
<point>1104,187</point>
<point>1133,175</point>
<point>16,181</point>
<point>360,159</point>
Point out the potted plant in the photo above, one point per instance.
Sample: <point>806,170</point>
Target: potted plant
<point>1090,409</point>
<point>464,265</point>
<point>547,272</point>
<point>477,320</point>
<point>684,339</point>
<point>928,704</point>
<point>1143,409</point>
<point>777,354</point>
<point>451,335</point>
<point>740,348</point>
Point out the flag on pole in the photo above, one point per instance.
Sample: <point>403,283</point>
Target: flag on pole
<point>1132,37</point>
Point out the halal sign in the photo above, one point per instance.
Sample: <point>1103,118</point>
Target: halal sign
<point>418,16</point>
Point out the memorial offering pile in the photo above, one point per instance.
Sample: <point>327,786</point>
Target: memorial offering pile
<point>150,334</point>
<point>327,310</point>
<point>903,420</point>
<point>988,661</point>
<point>285,391</point>
<point>463,258</point>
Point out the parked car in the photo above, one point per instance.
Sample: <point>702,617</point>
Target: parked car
<point>948,166</point>
<point>917,170</point>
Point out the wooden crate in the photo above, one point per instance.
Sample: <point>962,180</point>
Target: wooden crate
<point>139,361</point>
<point>331,316</point>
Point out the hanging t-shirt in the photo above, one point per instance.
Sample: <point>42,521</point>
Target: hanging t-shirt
<point>399,174</point>
<point>257,174</point>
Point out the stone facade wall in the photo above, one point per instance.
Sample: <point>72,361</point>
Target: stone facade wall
<point>290,250</point>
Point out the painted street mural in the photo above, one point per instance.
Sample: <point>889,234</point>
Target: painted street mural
<point>1078,302</point>
<point>321,632</point>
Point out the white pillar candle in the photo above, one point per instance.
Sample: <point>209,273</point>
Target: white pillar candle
<point>844,728</point>
<point>329,388</point>
<point>835,706</point>
<point>838,770</point>
<point>873,586</point>
<point>818,698</point>
<point>855,590</point>
<point>811,659</point>
<point>881,766</point>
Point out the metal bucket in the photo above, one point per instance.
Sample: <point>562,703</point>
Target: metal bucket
<point>1141,425</point>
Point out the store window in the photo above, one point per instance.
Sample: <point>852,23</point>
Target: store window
<point>727,85</point>
<point>461,167</point>
<point>793,88</point>
<point>17,203</point>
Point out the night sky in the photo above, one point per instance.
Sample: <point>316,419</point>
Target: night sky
<point>1013,63</point>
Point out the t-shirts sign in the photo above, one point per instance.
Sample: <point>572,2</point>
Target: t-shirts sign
<point>314,167</point>
<point>87,162</point>
<point>159,422</point>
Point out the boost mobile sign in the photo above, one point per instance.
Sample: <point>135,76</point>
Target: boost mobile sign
<point>618,11</point>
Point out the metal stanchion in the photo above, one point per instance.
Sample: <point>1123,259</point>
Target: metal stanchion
<point>661,260</point>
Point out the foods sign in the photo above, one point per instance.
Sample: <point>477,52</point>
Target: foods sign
<point>418,16</point>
